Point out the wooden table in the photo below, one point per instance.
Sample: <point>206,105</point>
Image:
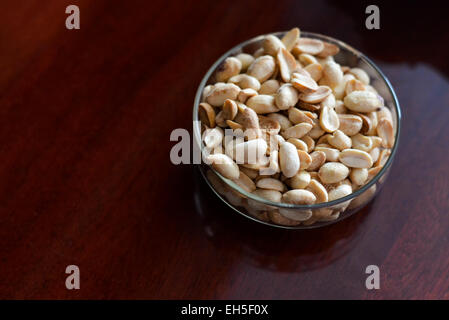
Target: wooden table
<point>86,179</point>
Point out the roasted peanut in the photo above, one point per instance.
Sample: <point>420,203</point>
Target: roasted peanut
<point>339,140</point>
<point>350,124</point>
<point>308,45</point>
<point>362,101</point>
<point>245,81</point>
<point>288,159</point>
<point>355,158</point>
<point>287,64</point>
<point>286,97</point>
<point>245,60</point>
<point>271,184</point>
<point>297,131</point>
<point>220,93</point>
<point>262,104</point>
<point>262,68</point>
<point>333,172</point>
<point>224,165</point>
<point>230,67</point>
<point>290,38</point>
<point>269,87</point>
<point>207,114</point>
<point>297,116</point>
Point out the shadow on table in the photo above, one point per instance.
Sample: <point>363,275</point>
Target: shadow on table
<point>269,248</point>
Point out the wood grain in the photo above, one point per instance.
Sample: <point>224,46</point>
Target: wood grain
<point>86,179</point>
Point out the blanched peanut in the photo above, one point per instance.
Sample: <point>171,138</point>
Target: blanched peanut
<point>213,137</point>
<point>224,165</point>
<point>304,84</point>
<point>318,190</point>
<point>283,120</point>
<point>331,153</point>
<point>361,142</point>
<point>316,131</point>
<point>286,97</point>
<point>310,143</point>
<point>245,81</point>
<point>372,172</point>
<point>290,38</point>
<point>230,67</point>
<point>307,59</point>
<point>339,140</point>
<point>262,104</point>
<point>288,159</point>
<point>220,93</point>
<point>341,191</point>
<point>385,130</point>
<point>230,109</point>
<point>308,45</point>
<point>220,119</point>
<point>300,180</point>
<point>271,126</point>
<point>364,197</point>
<point>362,101</point>
<point>383,113</point>
<point>206,114</point>
<point>315,70</point>
<point>317,96</point>
<point>374,153</point>
<point>287,64</point>
<point>250,151</point>
<point>270,195</point>
<point>245,182</point>
<point>383,157</point>
<point>354,85</point>
<point>278,218</point>
<point>269,87</point>
<point>350,124</point>
<point>332,74</point>
<point>245,60</point>
<point>299,196</point>
<point>271,184</point>
<point>207,89</point>
<point>249,120</point>
<point>304,159</point>
<point>340,107</point>
<point>297,131</point>
<point>355,158</point>
<point>298,143</point>
<point>245,94</point>
<point>340,89</point>
<point>249,172</point>
<point>318,159</point>
<point>262,68</point>
<point>297,116</point>
<point>358,175</point>
<point>360,74</point>
<point>329,49</point>
<point>271,45</point>
<point>329,120</point>
<point>333,172</point>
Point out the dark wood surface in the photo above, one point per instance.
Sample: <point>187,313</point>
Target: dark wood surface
<point>86,179</point>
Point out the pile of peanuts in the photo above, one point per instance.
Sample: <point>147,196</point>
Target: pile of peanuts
<point>308,129</point>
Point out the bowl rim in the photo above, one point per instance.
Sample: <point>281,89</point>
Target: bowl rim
<point>233,185</point>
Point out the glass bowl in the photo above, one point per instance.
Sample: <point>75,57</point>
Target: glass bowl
<point>259,209</point>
